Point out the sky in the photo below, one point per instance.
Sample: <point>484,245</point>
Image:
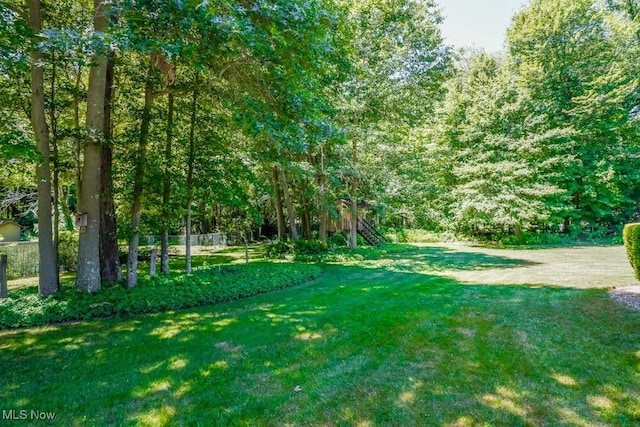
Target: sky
<point>478,23</point>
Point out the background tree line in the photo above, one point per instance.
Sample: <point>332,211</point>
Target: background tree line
<point>163,116</point>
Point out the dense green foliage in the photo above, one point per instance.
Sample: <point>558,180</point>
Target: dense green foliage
<point>335,250</point>
<point>542,138</point>
<point>264,117</point>
<point>205,286</point>
<point>631,238</point>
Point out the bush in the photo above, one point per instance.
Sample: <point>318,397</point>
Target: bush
<point>311,247</point>
<point>144,253</point>
<point>25,307</point>
<point>533,239</point>
<point>283,249</point>
<point>68,250</point>
<point>337,240</point>
<point>417,235</point>
<point>280,249</point>
<point>631,237</point>
<point>359,254</point>
<point>317,251</point>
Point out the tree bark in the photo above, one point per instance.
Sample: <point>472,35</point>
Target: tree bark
<point>306,221</point>
<point>138,182</point>
<point>48,276</point>
<point>88,274</point>
<point>322,184</point>
<point>282,227</point>
<point>78,139</point>
<point>166,190</point>
<point>324,222</point>
<point>287,201</point>
<point>191,160</point>
<point>353,226</point>
<point>109,254</point>
<point>56,166</point>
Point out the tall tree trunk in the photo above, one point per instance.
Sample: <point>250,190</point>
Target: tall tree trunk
<point>191,160</point>
<point>56,166</point>
<point>48,276</point>
<point>306,219</point>
<point>138,181</point>
<point>88,274</point>
<point>109,255</point>
<point>282,227</point>
<point>353,226</point>
<point>166,190</point>
<point>287,201</point>
<point>324,223</point>
<point>306,222</point>
<point>78,140</point>
<point>322,184</point>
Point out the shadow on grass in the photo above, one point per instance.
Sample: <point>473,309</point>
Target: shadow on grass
<point>360,345</point>
<point>438,259</point>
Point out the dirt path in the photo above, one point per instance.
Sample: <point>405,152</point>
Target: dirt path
<point>575,267</point>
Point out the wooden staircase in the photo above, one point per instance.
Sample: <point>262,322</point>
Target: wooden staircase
<point>368,232</point>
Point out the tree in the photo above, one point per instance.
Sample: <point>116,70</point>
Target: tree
<point>495,181</point>
<point>400,64</point>
<point>569,56</point>
<point>88,274</point>
<point>48,272</point>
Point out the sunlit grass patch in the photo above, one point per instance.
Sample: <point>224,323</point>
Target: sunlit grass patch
<point>363,345</point>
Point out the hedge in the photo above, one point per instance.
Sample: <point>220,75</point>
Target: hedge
<point>631,238</point>
<point>25,307</point>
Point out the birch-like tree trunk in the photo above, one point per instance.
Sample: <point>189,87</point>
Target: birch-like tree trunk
<point>191,161</point>
<point>138,182</point>
<point>166,190</point>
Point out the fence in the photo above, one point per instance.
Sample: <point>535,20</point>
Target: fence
<point>23,260</point>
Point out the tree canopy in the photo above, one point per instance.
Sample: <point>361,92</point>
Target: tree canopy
<point>170,117</point>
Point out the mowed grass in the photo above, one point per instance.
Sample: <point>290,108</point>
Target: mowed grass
<point>396,341</point>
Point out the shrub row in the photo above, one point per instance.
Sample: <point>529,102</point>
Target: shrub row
<point>316,251</point>
<point>25,308</point>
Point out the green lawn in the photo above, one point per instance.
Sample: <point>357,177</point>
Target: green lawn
<point>403,340</point>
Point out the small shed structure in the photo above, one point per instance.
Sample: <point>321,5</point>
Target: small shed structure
<point>9,231</point>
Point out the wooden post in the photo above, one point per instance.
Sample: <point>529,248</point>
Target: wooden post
<point>152,261</point>
<point>3,277</point>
